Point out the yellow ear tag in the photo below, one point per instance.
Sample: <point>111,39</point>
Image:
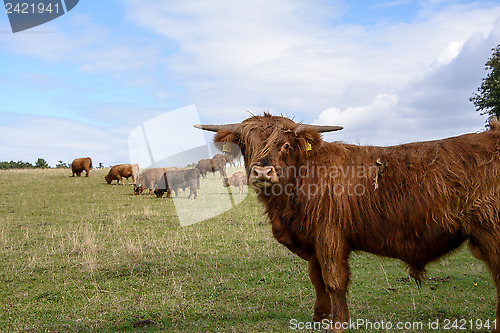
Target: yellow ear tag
<point>308,146</point>
<point>226,148</point>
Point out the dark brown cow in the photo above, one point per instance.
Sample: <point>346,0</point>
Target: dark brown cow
<point>120,171</point>
<point>217,163</point>
<point>81,164</point>
<point>177,179</point>
<point>147,180</point>
<point>416,201</point>
<point>238,179</point>
<point>204,166</point>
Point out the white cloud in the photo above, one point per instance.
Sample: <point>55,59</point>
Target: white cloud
<point>379,121</point>
<point>450,52</point>
<point>53,43</point>
<point>269,56</point>
<point>92,47</point>
<point>31,137</point>
<point>362,116</point>
<point>433,104</point>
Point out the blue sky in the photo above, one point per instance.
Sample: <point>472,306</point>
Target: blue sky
<point>388,71</point>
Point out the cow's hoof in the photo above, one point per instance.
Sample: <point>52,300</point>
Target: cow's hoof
<point>319,315</point>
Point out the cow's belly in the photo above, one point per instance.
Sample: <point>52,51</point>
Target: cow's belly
<point>416,248</point>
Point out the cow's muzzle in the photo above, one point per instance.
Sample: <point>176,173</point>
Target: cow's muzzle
<point>262,177</point>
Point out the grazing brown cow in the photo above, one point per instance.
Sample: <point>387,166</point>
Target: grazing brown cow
<point>217,163</point>
<point>120,171</point>
<point>147,180</point>
<point>238,179</point>
<point>204,166</point>
<point>80,164</point>
<point>177,179</point>
<point>415,202</point>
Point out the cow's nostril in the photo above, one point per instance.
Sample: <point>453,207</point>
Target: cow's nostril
<point>254,172</point>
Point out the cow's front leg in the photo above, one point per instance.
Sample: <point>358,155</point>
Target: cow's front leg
<point>332,254</point>
<point>322,304</point>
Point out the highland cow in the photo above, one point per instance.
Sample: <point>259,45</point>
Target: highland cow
<point>237,179</point>
<point>120,171</point>
<point>147,180</point>
<point>178,179</point>
<point>81,164</point>
<point>415,202</point>
<point>217,163</point>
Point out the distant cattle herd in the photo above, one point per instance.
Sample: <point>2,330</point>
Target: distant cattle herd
<point>161,181</point>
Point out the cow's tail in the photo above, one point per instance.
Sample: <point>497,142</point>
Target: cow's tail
<point>90,160</point>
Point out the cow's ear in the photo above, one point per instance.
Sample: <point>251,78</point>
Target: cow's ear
<point>308,139</point>
<point>228,142</point>
<point>225,135</point>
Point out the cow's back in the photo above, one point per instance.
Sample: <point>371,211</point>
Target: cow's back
<point>425,195</point>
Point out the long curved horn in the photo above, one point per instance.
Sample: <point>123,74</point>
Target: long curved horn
<point>319,128</point>
<point>216,128</point>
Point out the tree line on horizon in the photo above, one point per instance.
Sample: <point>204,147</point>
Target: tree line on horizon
<point>39,164</point>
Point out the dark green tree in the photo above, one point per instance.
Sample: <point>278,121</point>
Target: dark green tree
<point>15,165</point>
<point>61,165</point>
<point>41,163</point>
<point>487,97</point>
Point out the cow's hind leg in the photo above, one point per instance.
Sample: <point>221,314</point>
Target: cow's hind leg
<point>491,256</point>
<point>323,304</point>
<point>417,272</point>
<point>495,272</point>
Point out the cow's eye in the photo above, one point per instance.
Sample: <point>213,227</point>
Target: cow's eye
<point>286,147</point>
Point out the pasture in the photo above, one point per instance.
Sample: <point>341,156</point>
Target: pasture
<point>79,255</point>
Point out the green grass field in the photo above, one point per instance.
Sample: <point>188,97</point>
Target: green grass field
<point>79,255</point>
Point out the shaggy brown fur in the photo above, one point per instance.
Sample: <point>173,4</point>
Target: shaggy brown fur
<point>415,202</point>
<point>147,180</point>
<point>120,171</point>
<point>237,179</point>
<point>81,164</point>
